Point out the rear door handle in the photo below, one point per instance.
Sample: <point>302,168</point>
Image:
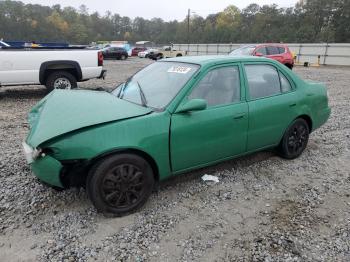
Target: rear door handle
<point>292,105</point>
<point>239,116</point>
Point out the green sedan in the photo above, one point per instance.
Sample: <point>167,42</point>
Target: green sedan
<point>171,117</point>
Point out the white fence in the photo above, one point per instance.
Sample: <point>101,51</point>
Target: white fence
<point>329,54</point>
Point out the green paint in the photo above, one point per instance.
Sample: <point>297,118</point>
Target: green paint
<point>184,136</point>
<point>48,170</point>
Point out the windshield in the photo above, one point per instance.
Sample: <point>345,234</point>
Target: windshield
<point>247,50</point>
<point>157,84</point>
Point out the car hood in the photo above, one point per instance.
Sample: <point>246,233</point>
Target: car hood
<point>63,111</point>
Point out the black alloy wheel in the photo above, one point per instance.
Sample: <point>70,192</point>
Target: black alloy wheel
<point>295,139</point>
<point>120,184</point>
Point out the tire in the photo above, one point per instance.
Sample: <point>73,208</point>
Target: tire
<point>60,80</point>
<point>159,56</point>
<point>123,57</point>
<point>289,66</point>
<point>120,184</point>
<point>178,55</point>
<point>295,139</point>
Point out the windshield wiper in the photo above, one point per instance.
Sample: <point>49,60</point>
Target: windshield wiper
<point>143,97</point>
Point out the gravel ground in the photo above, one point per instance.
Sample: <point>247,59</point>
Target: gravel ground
<point>263,209</point>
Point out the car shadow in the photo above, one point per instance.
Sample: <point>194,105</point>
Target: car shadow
<point>23,92</point>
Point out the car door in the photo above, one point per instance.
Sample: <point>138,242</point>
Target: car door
<point>201,137</point>
<point>108,53</point>
<point>272,103</point>
<point>115,52</point>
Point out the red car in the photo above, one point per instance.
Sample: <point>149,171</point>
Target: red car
<point>136,50</point>
<point>278,52</point>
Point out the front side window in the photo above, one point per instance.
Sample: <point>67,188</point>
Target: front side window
<point>219,87</point>
<point>263,81</point>
<point>156,85</point>
<point>261,50</point>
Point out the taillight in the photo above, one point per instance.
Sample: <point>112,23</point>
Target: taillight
<point>100,58</point>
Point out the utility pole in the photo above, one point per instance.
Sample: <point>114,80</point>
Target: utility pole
<point>188,26</point>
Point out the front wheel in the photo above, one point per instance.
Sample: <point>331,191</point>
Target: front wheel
<point>295,139</point>
<point>60,80</point>
<point>159,56</point>
<point>120,184</point>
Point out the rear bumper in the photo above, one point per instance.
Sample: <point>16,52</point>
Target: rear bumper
<point>48,170</point>
<point>103,74</point>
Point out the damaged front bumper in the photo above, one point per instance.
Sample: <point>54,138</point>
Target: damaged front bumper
<point>45,167</point>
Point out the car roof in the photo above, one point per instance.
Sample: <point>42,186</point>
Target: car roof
<point>213,59</point>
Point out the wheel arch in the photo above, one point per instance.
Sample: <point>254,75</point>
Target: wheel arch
<point>305,117</point>
<point>135,151</point>
<point>308,120</point>
<point>72,67</point>
<point>289,65</point>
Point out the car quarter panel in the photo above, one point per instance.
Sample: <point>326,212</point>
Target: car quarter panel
<point>149,134</point>
<point>314,103</point>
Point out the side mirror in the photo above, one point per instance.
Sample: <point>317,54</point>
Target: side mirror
<point>192,105</point>
<point>258,54</point>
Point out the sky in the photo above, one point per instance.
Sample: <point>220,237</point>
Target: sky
<point>165,9</point>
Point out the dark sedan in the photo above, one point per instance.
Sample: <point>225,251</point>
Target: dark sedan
<point>115,52</point>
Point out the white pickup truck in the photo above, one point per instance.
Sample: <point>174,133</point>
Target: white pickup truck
<point>60,69</point>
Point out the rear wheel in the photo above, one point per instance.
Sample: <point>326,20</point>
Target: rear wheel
<point>123,57</point>
<point>120,184</point>
<point>295,139</point>
<point>60,80</point>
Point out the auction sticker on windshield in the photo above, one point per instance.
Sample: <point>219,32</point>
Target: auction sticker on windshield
<point>179,69</point>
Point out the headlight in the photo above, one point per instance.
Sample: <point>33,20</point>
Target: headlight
<point>30,153</point>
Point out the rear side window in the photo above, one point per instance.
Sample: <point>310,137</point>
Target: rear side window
<point>263,81</point>
<point>281,50</point>
<point>272,50</point>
